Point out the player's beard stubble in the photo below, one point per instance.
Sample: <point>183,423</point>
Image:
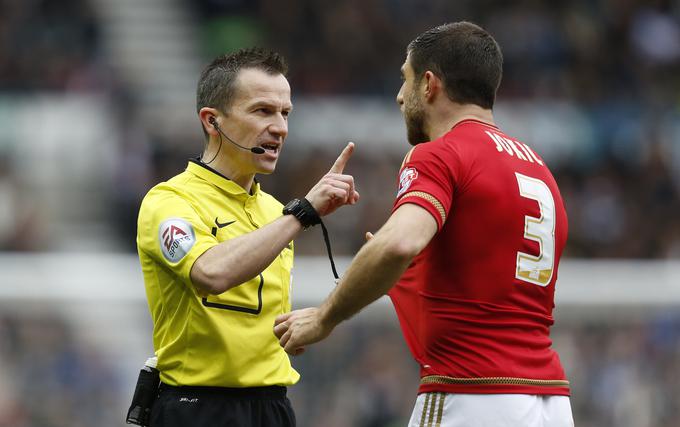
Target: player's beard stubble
<point>414,116</point>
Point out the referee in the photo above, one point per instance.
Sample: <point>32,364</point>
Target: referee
<point>216,253</point>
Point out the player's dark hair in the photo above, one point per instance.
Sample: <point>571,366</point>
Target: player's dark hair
<point>465,57</point>
<point>217,82</point>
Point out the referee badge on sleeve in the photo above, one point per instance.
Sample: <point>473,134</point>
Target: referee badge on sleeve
<point>176,238</point>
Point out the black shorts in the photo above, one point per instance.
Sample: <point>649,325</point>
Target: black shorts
<point>222,407</point>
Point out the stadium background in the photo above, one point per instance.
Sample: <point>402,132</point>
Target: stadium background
<point>97,105</point>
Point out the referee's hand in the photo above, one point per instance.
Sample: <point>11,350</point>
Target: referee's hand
<point>335,189</point>
<point>299,328</point>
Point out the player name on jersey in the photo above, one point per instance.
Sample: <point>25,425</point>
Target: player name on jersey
<point>511,147</point>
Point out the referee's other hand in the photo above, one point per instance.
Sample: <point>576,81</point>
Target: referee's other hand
<point>299,328</point>
<point>335,189</point>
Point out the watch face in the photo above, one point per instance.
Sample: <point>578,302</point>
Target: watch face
<point>292,205</point>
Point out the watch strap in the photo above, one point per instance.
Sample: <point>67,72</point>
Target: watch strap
<point>303,211</point>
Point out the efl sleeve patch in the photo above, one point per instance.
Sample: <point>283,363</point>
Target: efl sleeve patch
<point>176,238</point>
<point>408,175</point>
<point>428,179</point>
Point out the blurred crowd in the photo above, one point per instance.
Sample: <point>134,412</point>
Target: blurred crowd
<point>48,46</point>
<point>49,377</point>
<point>590,51</point>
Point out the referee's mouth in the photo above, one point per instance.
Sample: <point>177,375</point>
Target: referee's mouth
<point>271,147</point>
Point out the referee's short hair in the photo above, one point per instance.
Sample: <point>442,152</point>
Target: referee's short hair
<point>464,56</point>
<point>217,82</point>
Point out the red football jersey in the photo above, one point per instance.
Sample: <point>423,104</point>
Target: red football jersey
<point>476,304</point>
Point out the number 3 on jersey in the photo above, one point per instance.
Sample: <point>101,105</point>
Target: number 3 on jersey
<point>537,269</point>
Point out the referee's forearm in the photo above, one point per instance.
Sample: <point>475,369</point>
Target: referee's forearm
<point>238,260</point>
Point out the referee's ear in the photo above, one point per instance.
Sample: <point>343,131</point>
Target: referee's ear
<point>206,115</point>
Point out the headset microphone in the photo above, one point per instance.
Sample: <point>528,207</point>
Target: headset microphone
<point>256,150</point>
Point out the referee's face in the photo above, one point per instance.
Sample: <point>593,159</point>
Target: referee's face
<point>258,117</point>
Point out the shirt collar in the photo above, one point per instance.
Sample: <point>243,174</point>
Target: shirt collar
<point>474,121</point>
<point>220,181</point>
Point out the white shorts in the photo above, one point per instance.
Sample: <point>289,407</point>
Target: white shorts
<point>491,410</point>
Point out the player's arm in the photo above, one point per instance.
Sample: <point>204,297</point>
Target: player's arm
<point>380,263</point>
<point>372,273</point>
<point>238,260</point>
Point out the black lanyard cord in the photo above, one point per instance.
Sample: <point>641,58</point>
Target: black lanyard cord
<point>327,241</point>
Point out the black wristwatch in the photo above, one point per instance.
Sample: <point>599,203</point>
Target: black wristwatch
<point>303,211</point>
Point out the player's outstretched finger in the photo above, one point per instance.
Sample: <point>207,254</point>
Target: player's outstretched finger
<point>369,236</point>
<point>342,159</point>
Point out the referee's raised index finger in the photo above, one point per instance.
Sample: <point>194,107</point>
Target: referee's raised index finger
<point>342,159</point>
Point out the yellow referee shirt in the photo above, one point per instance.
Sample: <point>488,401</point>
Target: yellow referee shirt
<point>221,340</point>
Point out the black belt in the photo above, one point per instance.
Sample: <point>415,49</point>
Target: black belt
<point>267,392</point>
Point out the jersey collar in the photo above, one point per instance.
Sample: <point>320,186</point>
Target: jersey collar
<point>209,174</point>
<point>473,121</point>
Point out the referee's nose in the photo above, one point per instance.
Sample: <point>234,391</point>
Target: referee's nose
<point>279,127</point>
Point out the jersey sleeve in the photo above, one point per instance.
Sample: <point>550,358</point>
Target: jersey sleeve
<point>425,179</point>
<point>171,232</point>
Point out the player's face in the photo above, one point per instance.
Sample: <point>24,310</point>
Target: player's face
<point>411,106</point>
<point>258,117</point>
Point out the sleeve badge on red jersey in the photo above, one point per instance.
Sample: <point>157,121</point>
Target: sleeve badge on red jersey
<point>176,237</point>
<point>408,175</point>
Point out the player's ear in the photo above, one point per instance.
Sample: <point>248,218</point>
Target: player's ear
<point>432,85</point>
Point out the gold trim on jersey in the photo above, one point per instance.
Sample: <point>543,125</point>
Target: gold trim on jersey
<point>407,158</point>
<point>431,199</point>
<point>441,379</point>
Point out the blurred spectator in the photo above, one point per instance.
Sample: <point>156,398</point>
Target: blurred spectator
<point>47,45</point>
<point>19,224</point>
<point>50,379</point>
